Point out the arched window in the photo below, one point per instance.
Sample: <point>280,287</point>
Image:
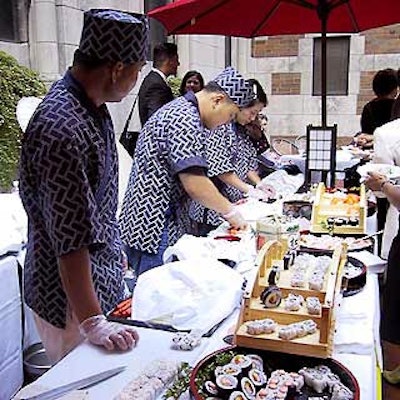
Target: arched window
<point>14,20</point>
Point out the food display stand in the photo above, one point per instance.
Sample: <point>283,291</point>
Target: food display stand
<point>318,344</point>
<point>339,213</point>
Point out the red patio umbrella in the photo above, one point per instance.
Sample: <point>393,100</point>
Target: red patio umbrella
<point>251,18</point>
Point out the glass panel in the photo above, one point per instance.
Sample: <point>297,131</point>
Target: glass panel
<point>8,26</point>
<point>157,31</point>
<point>337,65</point>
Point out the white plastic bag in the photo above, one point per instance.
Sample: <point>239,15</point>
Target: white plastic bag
<point>190,247</point>
<point>283,183</point>
<point>189,294</point>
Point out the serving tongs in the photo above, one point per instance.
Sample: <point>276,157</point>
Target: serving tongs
<point>369,236</point>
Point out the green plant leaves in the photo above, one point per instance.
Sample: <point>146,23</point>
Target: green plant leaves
<point>16,81</point>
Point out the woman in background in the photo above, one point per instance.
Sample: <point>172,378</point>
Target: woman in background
<point>232,163</point>
<point>192,81</point>
<point>378,111</point>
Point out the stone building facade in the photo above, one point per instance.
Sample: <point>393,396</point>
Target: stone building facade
<point>46,33</point>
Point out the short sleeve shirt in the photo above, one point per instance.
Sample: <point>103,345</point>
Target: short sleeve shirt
<point>171,142</point>
<point>228,149</point>
<point>69,188</point>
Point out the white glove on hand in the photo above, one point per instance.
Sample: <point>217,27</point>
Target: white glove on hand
<point>235,219</point>
<point>267,189</point>
<point>110,335</point>
<point>257,193</point>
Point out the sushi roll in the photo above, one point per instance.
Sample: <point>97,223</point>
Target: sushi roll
<point>330,221</point>
<point>271,296</point>
<point>248,388</point>
<point>298,380</point>
<point>293,302</point>
<point>301,330</point>
<point>314,379</point>
<point>298,279</point>
<point>340,221</point>
<point>210,388</point>
<point>232,369</point>
<point>332,380</point>
<point>269,325</point>
<point>287,332</point>
<point>258,377</point>
<point>341,392</point>
<point>254,328</point>
<point>226,384</point>
<point>323,369</point>
<point>313,305</point>
<point>219,370</point>
<point>244,362</point>
<point>354,221</point>
<point>256,361</point>
<point>310,326</point>
<point>316,282</point>
<point>237,395</point>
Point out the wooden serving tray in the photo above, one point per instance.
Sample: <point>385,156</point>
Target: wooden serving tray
<point>320,343</point>
<point>320,213</point>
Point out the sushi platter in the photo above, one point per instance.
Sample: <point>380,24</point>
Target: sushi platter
<point>238,373</point>
<point>339,212</point>
<point>292,304</point>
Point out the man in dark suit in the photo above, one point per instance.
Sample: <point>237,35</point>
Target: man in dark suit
<point>155,91</point>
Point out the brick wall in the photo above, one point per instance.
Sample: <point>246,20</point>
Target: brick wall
<point>385,40</point>
<point>366,93</point>
<point>276,46</point>
<point>285,83</point>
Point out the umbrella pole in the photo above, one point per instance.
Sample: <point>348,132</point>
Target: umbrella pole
<point>323,77</point>
<point>323,13</point>
<point>228,51</point>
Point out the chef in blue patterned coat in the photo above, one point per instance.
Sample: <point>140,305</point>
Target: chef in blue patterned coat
<point>232,163</point>
<point>170,167</point>
<point>73,271</point>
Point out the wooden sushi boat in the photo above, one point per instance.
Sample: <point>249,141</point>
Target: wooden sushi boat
<point>339,213</point>
<point>317,344</point>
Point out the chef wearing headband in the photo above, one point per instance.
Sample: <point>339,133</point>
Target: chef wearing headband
<point>169,168</point>
<point>73,271</point>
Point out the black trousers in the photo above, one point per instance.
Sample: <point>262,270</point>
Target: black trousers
<point>382,206</point>
<point>390,320</point>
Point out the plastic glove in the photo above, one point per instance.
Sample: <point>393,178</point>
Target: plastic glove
<point>269,190</point>
<point>110,335</point>
<point>235,219</point>
<point>257,193</point>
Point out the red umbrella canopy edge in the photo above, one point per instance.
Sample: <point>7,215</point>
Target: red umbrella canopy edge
<point>244,18</point>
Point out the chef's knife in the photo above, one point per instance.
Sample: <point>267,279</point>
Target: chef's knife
<point>57,392</point>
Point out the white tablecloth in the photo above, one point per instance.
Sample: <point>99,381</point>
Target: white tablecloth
<point>11,371</point>
<point>87,359</point>
<point>153,345</point>
<point>344,159</point>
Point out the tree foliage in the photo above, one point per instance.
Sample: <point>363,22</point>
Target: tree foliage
<point>175,83</point>
<point>16,81</point>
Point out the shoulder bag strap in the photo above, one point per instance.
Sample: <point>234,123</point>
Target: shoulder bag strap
<point>128,120</point>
